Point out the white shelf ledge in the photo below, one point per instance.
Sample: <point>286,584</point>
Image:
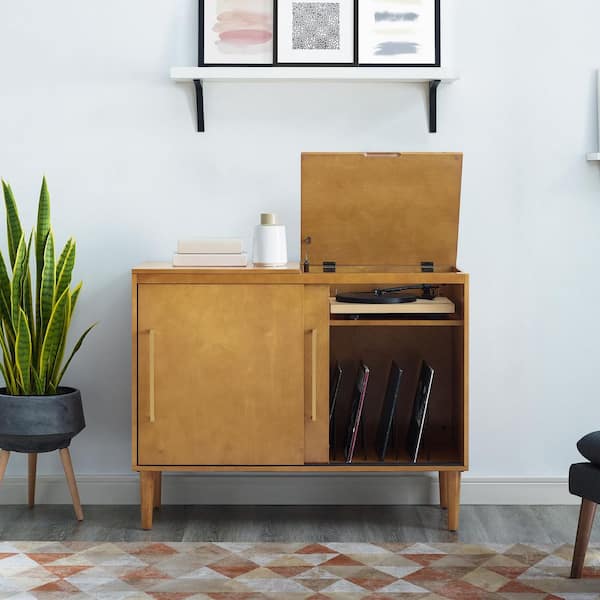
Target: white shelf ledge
<point>432,77</point>
<point>394,74</point>
<point>593,156</point>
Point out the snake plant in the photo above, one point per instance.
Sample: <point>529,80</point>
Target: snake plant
<point>33,330</point>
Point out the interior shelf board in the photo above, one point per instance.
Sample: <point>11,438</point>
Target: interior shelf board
<point>397,74</point>
<point>419,466</point>
<point>443,455</point>
<point>396,323</point>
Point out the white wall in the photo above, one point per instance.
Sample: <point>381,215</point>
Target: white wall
<point>85,98</point>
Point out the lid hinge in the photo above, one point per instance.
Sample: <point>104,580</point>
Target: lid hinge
<point>307,241</point>
<point>329,266</point>
<point>427,266</point>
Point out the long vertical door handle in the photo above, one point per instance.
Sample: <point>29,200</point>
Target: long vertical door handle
<point>151,334</point>
<point>313,379</point>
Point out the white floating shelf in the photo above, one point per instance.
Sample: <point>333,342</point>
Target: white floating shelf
<point>397,74</point>
<point>593,156</point>
<point>433,77</point>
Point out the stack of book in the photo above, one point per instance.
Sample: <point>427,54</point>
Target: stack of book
<point>210,252</point>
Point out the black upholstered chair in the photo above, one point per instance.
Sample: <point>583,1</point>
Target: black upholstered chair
<point>584,481</point>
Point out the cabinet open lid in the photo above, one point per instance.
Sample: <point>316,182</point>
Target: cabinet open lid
<point>381,209</point>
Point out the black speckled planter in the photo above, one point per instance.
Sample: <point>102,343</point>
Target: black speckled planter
<point>40,423</point>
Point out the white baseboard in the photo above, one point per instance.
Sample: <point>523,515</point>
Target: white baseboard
<point>271,489</point>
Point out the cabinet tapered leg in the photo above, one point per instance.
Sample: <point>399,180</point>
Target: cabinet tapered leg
<point>157,489</point>
<point>584,529</point>
<point>65,457</point>
<point>453,492</point>
<point>31,475</point>
<point>443,476</point>
<point>4,456</point>
<point>147,479</point>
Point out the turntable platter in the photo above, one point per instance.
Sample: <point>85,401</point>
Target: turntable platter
<point>374,298</point>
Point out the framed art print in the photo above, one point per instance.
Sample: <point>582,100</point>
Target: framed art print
<point>236,32</point>
<point>403,33</point>
<point>315,33</point>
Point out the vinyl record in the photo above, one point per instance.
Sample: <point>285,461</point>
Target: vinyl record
<point>372,298</point>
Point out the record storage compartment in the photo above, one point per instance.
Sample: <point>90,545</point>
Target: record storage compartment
<point>377,340</point>
<point>407,346</point>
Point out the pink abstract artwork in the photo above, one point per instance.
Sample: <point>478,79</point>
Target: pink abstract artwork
<point>238,31</point>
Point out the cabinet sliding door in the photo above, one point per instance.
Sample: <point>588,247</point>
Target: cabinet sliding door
<point>220,374</point>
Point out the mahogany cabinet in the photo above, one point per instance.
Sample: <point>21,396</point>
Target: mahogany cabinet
<point>230,372</point>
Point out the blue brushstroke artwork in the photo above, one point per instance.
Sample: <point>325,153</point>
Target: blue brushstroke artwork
<point>398,32</point>
<point>395,48</point>
<point>394,17</point>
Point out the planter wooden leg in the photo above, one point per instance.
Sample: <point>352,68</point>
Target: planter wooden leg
<point>453,487</point>
<point>4,456</point>
<point>157,489</point>
<point>584,529</point>
<point>443,476</point>
<point>147,479</point>
<point>31,474</point>
<point>65,456</point>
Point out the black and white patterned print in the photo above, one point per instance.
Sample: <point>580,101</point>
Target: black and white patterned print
<point>316,26</point>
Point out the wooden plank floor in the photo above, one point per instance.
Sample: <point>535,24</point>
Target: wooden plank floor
<point>499,524</point>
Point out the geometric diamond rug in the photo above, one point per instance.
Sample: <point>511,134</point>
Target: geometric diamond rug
<point>230,571</point>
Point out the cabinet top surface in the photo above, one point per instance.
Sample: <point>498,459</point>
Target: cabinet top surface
<point>157,272</point>
<point>169,268</point>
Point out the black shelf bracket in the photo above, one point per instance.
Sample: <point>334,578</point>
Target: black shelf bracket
<point>199,104</point>
<point>433,89</point>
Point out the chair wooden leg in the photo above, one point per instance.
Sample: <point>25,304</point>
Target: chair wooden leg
<point>443,477</point>
<point>147,479</point>
<point>31,474</point>
<point>65,457</point>
<point>157,489</point>
<point>584,529</point>
<point>453,491</point>
<point>4,456</point>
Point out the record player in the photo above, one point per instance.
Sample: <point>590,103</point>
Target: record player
<point>382,213</point>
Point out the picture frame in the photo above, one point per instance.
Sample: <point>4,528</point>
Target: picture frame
<point>406,36</point>
<point>318,34</point>
<point>236,33</point>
